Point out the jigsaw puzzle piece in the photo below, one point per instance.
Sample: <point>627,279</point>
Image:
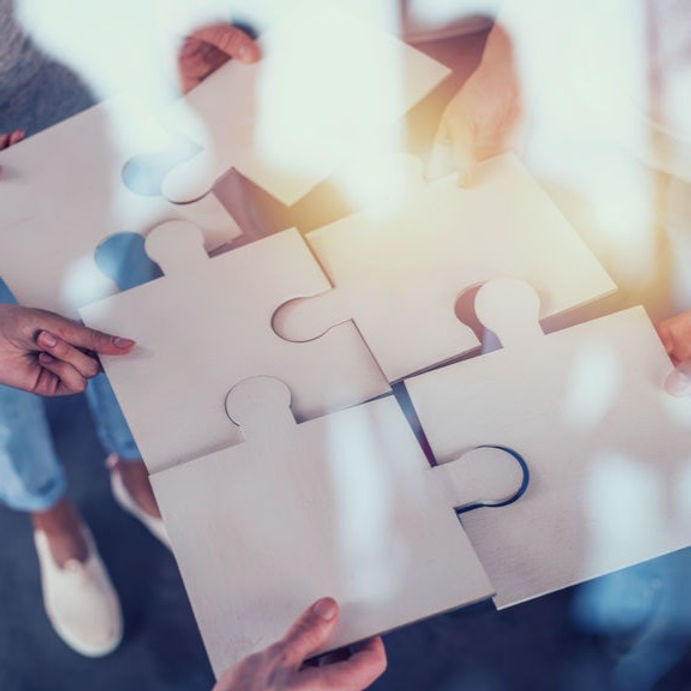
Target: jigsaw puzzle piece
<point>208,321</point>
<point>287,121</point>
<point>62,194</point>
<point>399,270</point>
<point>344,504</point>
<point>609,451</point>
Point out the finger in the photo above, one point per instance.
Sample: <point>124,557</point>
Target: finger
<point>229,40</point>
<point>439,162</point>
<point>47,383</point>
<point>85,365</point>
<point>463,149</point>
<point>4,141</point>
<point>16,137</point>
<point>187,83</point>
<point>330,658</point>
<point>499,131</point>
<point>675,334</point>
<point>81,336</point>
<point>310,631</point>
<point>680,345</point>
<point>665,334</point>
<point>68,379</point>
<point>678,382</point>
<point>366,665</point>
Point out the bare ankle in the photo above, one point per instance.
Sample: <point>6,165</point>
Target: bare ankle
<point>62,527</point>
<point>135,478</point>
<point>61,517</point>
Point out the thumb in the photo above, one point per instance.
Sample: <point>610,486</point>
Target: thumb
<point>453,149</point>
<point>310,631</point>
<point>678,382</point>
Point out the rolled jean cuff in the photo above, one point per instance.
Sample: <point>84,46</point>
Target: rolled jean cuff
<point>37,499</point>
<point>111,427</point>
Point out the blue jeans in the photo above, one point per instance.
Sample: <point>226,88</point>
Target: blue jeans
<point>31,475</point>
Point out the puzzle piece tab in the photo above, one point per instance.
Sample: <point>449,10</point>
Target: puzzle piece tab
<point>208,322</point>
<point>398,274</point>
<point>609,451</point>
<point>345,504</point>
<point>326,82</point>
<point>61,194</point>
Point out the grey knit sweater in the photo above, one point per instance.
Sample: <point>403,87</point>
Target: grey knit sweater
<point>19,59</point>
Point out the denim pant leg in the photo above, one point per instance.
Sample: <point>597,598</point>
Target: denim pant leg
<point>124,260</point>
<point>111,427</point>
<point>31,476</point>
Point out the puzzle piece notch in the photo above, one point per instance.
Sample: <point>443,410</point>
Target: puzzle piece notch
<point>398,272</point>
<point>510,308</point>
<point>123,259</point>
<point>144,173</point>
<point>259,403</point>
<point>486,476</point>
<point>301,320</point>
<point>177,247</point>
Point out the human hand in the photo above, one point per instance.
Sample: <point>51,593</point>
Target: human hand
<point>280,666</point>
<point>7,140</point>
<point>481,118</point>
<point>675,334</point>
<point>206,49</point>
<point>48,355</point>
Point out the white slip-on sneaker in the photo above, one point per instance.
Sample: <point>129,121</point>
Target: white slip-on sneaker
<point>80,600</point>
<point>154,525</point>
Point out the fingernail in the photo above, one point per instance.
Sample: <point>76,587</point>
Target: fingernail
<point>122,343</point>
<point>325,609</point>
<point>244,54</point>
<point>48,339</point>
<point>678,383</point>
<point>437,162</point>
<point>47,359</point>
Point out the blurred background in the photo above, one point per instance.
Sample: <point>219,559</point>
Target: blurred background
<point>628,631</point>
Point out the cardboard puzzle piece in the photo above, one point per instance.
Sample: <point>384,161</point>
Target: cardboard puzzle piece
<point>345,505</point>
<point>326,82</point>
<point>398,274</point>
<point>207,322</point>
<point>609,451</point>
<point>62,194</point>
